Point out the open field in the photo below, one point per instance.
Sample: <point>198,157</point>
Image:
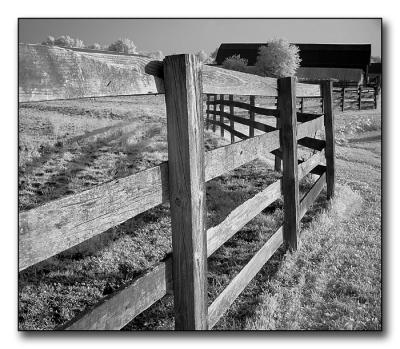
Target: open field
<point>69,146</point>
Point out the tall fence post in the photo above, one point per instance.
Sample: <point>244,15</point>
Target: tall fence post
<point>232,112</point>
<point>278,161</point>
<point>288,140</point>
<point>329,137</point>
<point>208,112</point>
<point>214,127</point>
<point>251,116</point>
<point>221,114</point>
<point>182,80</point>
<point>359,97</point>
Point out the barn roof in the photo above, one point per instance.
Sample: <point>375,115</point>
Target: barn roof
<point>312,55</point>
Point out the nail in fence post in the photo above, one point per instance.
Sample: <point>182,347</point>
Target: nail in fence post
<point>232,123</point>
<point>288,139</point>
<point>329,137</point>
<point>182,80</point>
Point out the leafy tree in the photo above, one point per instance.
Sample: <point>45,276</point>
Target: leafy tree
<point>123,45</point>
<point>375,59</point>
<point>278,59</point>
<point>235,63</point>
<point>64,41</point>
<point>156,55</point>
<point>49,41</point>
<point>95,46</point>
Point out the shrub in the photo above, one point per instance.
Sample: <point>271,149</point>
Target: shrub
<point>156,55</point>
<point>64,41</point>
<point>123,45</point>
<point>235,63</point>
<point>49,41</point>
<point>204,57</point>
<point>95,46</point>
<point>278,59</point>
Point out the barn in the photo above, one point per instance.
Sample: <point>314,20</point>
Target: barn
<point>344,62</point>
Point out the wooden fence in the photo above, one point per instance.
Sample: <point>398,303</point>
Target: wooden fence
<point>53,73</point>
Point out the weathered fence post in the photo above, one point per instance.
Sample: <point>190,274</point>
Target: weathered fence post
<point>251,116</point>
<point>329,137</point>
<point>221,114</point>
<point>208,111</point>
<point>232,112</point>
<point>214,127</point>
<point>359,97</point>
<point>182,79</point>
<point>288,140</point>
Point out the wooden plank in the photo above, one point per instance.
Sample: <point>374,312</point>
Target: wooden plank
<point>182,80</point>
<point>308,129</point>
<point>255,124</point>
<point>232,121</point>
<point>240,216</point>
<point>312,143</point>
<point>251,116</point>
<point>229,129</point>
<point>290,181</point>
<point>241,280</point>
<point>58,225</point>
<point>51,72</point>
<point>118,309</point>
<point>310,164</point>
<point>329,119</point>
<point>318,170</point>
<point>225,159</point>
<point>252,108</point>
<point>311,195</point>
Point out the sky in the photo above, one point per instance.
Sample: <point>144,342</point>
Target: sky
<point>192,35</point>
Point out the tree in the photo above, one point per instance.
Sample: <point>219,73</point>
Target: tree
<point>156,55</point>
<point>123,45</point>
<point>95,46</point>
<point>49,41</point>
<point>375,59</point>
<point>278,59</point>
<point>64,41</point>
<point>235,63</point>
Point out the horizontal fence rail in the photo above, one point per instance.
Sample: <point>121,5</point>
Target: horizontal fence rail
<point>51,72</point>
<point>56,73</point>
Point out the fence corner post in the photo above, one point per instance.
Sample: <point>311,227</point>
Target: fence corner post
<point>182,80</point>
<point>288,140</point>
<point>329,137</point>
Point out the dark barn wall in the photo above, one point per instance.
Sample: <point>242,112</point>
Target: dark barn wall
<point>355,56</point>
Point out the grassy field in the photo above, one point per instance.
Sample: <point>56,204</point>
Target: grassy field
<point>332,282</point>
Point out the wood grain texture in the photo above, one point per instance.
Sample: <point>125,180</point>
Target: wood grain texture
<point>307,166</point>
<point>311,195</point>
<point>329,119</point>
<point>51,72</point>
<point>240,216</point>
<point>255,124</point>
<point>241,280</point>
<point>182,79</point>
<point>224,159</point>
<point>308,129</point>
<point>58,225</point>
<point>118,309</point>
<point>249,107</point>
<point>290,181</point>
